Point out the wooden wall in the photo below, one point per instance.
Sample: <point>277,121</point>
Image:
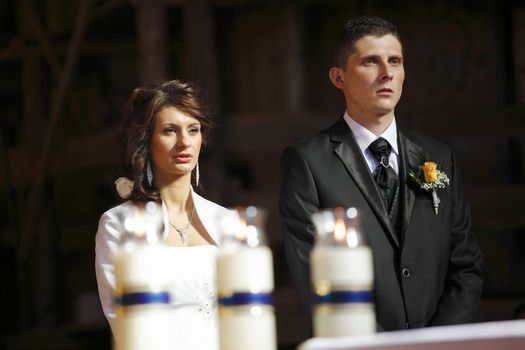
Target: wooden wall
<point>68,66</point>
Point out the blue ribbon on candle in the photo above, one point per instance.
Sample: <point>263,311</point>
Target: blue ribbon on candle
<point>345,297</point>
<point>237,299</point>
<point>141,298</point>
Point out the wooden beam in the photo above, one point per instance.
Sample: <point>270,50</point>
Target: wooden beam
<point>159,2</point>
<point>152,41</point>
<point>43,39</point>
<point>47,50</point>
<point>105,7</point>
<point>56,109</point>
<point>13,50</point>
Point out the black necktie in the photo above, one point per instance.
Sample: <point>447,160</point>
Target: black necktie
<point>384,176</point>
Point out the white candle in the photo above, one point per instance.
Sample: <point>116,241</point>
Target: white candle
<point>141,268</point>
<point>144,327</point>
<point>243,269</point>
<point>340,320</point>
<point>247,327</point>
<point>342,269</point>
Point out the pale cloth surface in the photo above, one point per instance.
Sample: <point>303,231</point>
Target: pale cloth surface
<point>502,335</point>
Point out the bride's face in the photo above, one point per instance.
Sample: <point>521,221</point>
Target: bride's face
<point>175,143</point>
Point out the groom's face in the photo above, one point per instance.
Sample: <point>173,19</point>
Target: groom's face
<point>372,79</point>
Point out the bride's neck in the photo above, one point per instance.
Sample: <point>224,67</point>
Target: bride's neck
<point>176,194</point>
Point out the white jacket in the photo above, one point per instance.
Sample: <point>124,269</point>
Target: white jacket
<point>108,236</point>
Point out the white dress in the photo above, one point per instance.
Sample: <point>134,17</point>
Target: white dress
<point>193,284</point>
<point>194,298</point>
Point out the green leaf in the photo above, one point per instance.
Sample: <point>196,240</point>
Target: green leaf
<point>417,179</point>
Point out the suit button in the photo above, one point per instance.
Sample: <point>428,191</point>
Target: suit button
<point>406,272</point>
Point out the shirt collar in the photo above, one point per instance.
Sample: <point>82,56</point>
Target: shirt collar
<point>365,137</point>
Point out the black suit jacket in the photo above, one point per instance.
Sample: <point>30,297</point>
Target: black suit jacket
<point>427,274</point>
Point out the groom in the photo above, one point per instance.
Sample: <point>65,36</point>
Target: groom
<point>427,264</point>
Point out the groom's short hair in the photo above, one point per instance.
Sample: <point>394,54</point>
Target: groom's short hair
<point>358,28</point>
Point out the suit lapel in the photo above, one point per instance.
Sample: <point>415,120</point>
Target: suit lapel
<point>410,155</point>
<point>348,151</point>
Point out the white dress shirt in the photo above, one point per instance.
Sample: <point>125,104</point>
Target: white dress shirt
<point>365,137</point>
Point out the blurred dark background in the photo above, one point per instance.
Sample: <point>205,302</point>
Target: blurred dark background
<point>66,68</point>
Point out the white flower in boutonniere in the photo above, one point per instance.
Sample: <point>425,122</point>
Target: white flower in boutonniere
<point>124,187</point>
<point>430,179</point>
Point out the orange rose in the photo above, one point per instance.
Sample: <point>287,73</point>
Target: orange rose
<point>429,169</point>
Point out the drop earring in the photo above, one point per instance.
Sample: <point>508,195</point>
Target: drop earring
<point>197,175</point>
<point>149,173</point>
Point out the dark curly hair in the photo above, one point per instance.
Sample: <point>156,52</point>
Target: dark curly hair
<point>358,28</point>
<point>138,121</point>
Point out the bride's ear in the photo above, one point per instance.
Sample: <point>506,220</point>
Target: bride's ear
<point>336,77</point>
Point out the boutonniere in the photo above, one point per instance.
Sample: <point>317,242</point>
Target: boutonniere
<point>429,178</point>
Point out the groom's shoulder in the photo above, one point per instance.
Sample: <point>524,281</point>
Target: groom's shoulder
<point>429,144</point>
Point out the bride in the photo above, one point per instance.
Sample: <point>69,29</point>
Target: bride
<point>163,129</point>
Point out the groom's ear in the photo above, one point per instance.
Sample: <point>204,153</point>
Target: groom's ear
<point>336,77</point>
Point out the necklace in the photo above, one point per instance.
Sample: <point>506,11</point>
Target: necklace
<point>182,231</point>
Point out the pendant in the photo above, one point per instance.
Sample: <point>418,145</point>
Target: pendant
<point>181,234</point>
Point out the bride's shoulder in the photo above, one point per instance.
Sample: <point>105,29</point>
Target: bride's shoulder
<point>113,212</point>
<point>206,204</point>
